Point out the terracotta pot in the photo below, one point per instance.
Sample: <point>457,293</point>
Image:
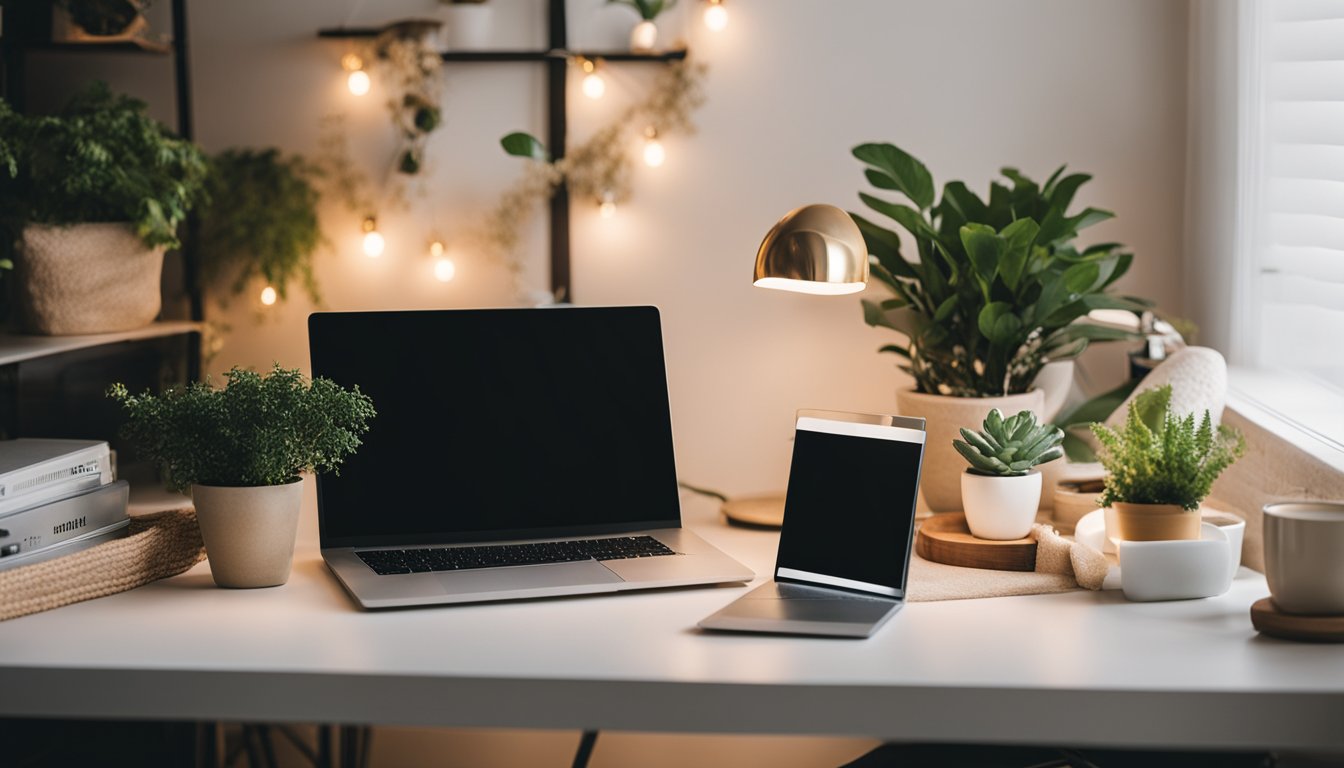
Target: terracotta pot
<point>1000,508</point>
<point>86,278</point>
<point>940,479</point>
<point>249,531</point>
<point>1151,522</point>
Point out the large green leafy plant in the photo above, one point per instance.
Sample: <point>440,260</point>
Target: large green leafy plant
<point>102,159</point>
<point>256,430</point>
<point>261,221</point>
<point>996,288</point>
<point>1158,457</point>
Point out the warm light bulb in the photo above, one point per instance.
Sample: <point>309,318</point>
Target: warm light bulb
<point>654,154</point>
<point>594,86</point>
<point>606,207</point>
<point>373,242</point>
<point>436,249</point>
<point>268,296</point>
<point>351,61</point>
<point>716,16</point>
<point>358,82</point>
<point>444,269</point>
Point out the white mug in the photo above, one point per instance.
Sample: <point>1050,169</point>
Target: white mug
<point>1304,556</point>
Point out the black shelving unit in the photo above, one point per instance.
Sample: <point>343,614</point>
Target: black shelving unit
<point>556,58</point>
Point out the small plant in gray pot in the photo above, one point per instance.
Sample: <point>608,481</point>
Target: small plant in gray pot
<point>240,450</point>
<point>1001,490</point>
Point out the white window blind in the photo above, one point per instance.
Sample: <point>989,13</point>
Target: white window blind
<point>1293,92</point>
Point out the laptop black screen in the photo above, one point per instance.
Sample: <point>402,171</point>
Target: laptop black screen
<point>499,423</point>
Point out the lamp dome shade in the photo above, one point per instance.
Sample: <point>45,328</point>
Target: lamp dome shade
<point>813,249</point>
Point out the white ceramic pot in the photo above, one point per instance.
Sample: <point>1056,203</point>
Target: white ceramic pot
<point>86,278</point>
<point>644,36</point>
<point>1176,569</point>
<point>1000,508</point>
<point>940,479</point>
<point>467,26</point>
<point>249,531</point>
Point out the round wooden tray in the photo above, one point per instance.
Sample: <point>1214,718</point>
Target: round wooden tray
<point>1268,619</point>
<point>945,538</point>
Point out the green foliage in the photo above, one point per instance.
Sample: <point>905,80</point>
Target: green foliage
<point>997,285</point>
<point>520,144</point>
<point>1009,447</point>
<point>102,159</point>
<point>257,430</point>
<point>1161,458</point>
<point>1077,423</point>
<point>261,221</point>
<point>648,10</point>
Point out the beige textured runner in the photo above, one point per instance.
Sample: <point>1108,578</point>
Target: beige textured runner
<point>1061,566</point>
<point>159,545</point>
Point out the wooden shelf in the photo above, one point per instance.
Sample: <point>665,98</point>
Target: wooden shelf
<point>497,56</point>
<point>16,348</point>
<point>122,46</point>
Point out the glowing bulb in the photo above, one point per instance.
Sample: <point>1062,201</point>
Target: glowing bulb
<point>716,16</point>
<point>436,249</point>
<point>351,61</point>
<point>594,86</point>
<point>268,296</point>
<point>444,269</point>
<point>373,242</point>
<point>358,82</point>
<point>654,154</point>
<point>606,207</point>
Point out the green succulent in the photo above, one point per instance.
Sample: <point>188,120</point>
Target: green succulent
<point>648,10</point>
<point>1010,447</point>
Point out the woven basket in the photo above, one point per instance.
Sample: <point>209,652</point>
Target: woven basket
<point>86,278</point>
<point>160,545</point>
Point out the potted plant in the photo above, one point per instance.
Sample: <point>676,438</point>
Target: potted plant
<point>98,21</point>
<point>1001,490</point>
<point>645,34</point>
<point>261,222</point>
<point>1160,466</point>
<point>466,24</point>
<point>995,292</point>
<point>240,450</point>
<point>92,197</point>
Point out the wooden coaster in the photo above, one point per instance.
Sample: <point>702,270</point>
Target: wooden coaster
<point>1268,619</point>
<point>945,538</point>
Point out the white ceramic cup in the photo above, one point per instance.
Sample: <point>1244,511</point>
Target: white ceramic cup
<point>1304,556</point>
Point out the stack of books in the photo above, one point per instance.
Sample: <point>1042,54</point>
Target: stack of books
<point>57,497</point>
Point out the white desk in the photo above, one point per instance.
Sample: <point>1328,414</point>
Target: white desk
<point>1077,669</point>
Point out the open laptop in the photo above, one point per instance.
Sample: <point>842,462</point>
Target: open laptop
<point>517,453</point>
<point>849,520</point>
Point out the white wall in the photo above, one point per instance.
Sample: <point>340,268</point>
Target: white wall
<point>966,86</point>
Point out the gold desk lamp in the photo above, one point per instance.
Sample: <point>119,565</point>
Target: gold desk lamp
<point>814,249</point>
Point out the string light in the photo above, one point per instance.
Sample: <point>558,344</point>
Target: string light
<point>358,80</point>
<point>373,241</point>
<point>268,296</point>
<point>444,269</point>
<point>593,84</point>
<point>654,154</point>
<point>716,16</point>
<point>606,207</point>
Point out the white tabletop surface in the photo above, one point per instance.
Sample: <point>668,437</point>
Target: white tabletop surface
<point>1079,668</point>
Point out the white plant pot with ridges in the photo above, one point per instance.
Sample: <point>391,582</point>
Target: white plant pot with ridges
<point>86,278</point>
<point>249,531</point>
<point>644,36</point>
<point>940,479</point>
<point>1000,508</point>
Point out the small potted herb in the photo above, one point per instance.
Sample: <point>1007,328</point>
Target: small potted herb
<point>1159,467</point>
<point>1001,490</point>
<point>645,34</point>
<point>91,198</point>
<point>240,450</point>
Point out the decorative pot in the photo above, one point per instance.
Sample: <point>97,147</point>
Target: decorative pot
<point>1151,522</point>
<point>940,479</point>
<point>466,26</point>
<point>1073,500</point>
<point>644,36</point>
<point>98,22</point>
<point>1000,508</point>
<point>249,532</point>
<point>86,278</point>
<point>1055,380</point>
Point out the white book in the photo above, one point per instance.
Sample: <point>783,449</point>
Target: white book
<point>36,471</point>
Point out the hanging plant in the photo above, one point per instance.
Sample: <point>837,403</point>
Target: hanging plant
<point>413,70</point>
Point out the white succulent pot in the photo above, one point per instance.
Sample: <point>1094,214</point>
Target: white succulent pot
<point>644,36</point>
<point>86,278</point>
<point>940,478</point>
<point>249,531</point>
<point>1000,508</point>
<point>467,26</point>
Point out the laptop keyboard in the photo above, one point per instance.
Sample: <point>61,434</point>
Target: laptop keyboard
<point>385,562</point>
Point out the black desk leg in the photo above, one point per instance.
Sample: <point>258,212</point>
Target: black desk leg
<point>585,751</point>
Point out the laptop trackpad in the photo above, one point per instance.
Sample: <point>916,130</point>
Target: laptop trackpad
<point>527,577</point>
